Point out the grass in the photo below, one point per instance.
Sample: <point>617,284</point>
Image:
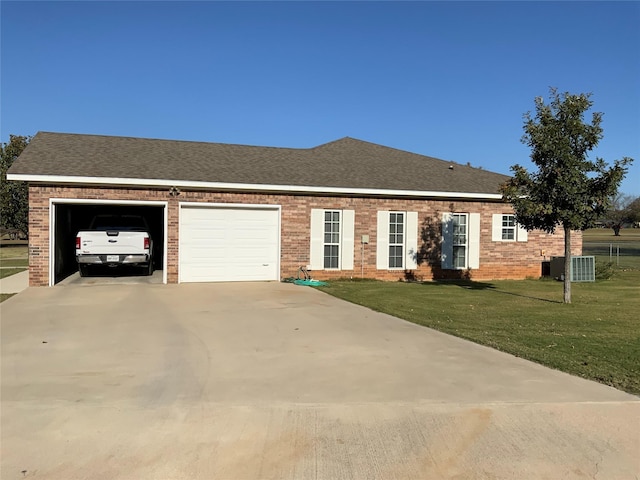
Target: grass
<point>595,337</point>
<point>623,251</point>
<point>7,272</point>
<point>13,259</point>
<point>605,235</point>
<point>14,262</point>
<point>13,251</point>
<point>16,257</point>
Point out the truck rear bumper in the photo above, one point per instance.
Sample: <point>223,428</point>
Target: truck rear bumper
<point>111,259</point>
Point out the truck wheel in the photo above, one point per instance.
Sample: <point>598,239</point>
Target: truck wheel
<point>149,268</point>
<point>83,269</point>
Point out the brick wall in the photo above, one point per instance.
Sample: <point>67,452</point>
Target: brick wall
<point>498,260</point>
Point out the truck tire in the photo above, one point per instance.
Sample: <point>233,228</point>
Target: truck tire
<point>83,269</point>
<point>149,268</point>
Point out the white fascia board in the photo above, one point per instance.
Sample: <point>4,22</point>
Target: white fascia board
<point>253,187</point>
<point>251,206</point>
<point>96,201</point>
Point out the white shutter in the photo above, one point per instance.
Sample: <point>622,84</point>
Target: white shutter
<point>316,255</point>
<point>447,242</point>
<point>411,257</point>
<point>474,240</point>
<point>348,226</point>
<point>521,234</point>
<point>496,227</point>
<point>382,244</point>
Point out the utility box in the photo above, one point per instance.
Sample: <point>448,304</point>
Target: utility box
<point>556,268</point>
<point>546,269</point>
<point>583,268</point>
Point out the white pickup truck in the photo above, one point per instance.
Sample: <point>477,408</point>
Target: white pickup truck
<point>114,241</point>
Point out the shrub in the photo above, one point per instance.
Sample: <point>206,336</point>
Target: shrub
<point>604,270</point>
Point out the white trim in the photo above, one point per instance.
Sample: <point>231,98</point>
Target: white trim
<point>382,240</point>
<point>411,241</point>
<point>316,239</point>
<point>80,201</point>
<point>251,206</point>
<point>473,241</point>
<point>347,240</point>
<point>446,244</point>
<point>93,201</point>
<point>144,182</point>
<point>522,235</point>
<point>246,206</point>
<point>496,227</point>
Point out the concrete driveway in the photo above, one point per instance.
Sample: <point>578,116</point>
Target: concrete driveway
<point>276,381</point>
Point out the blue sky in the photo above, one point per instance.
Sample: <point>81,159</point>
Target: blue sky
<point>446,79</point>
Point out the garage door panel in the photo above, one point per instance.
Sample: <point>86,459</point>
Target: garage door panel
<point>228,244</point>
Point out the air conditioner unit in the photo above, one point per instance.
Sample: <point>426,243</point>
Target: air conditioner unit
<point>583,268</point>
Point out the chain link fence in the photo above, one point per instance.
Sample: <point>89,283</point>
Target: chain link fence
<point>620,254</point>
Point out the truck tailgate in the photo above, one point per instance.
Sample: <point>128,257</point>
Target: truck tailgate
<point>101,243</point>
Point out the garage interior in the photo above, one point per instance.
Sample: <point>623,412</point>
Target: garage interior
<point>70,218</point>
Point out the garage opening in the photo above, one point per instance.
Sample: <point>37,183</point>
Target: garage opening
<point>229,243</point>
<point>69,218</point>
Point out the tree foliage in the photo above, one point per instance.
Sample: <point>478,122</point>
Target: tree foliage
<point>633,211</point>
<point>568,189</point>
<point>623,209</point>
<point>14,196</point>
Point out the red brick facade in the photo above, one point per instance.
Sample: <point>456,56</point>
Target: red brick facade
<point>498,260</point>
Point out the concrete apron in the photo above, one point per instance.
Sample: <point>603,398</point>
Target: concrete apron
<point>260,381</point>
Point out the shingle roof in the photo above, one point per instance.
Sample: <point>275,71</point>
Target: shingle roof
<point>345,163</point>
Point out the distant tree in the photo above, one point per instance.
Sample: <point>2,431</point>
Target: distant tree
<point>568,190</point>
<point>633,212</point>
<point>14,196</point>
<point>621,211</point>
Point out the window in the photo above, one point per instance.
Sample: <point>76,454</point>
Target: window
<point>508,227</point>
<point>396,240</point>
<point>459,240</point>
<point>331,239</point>
<point>505,229</point>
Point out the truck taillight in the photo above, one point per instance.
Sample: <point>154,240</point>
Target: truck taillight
<point>77,243</point>
<point>147,243</point>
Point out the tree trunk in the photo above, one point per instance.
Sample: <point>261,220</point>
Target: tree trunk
<point>567,265</point>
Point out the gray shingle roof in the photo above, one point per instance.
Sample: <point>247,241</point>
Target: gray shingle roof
<point>345,163</point>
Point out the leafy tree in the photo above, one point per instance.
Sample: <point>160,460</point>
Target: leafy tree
<point>14,196</point>
<point>568,190</point>
<point>621,211</point>
<point>633,212</point>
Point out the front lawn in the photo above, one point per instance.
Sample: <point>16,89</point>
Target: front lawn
<point>7,272</point>
<point>13,252</point>
<point>596,337</point>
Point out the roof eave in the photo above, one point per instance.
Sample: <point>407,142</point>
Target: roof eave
<point>243,187</point>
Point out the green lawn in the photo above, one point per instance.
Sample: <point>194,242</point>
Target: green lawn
<point>14,256</point>
<point>6,272</point>
<point>13,251</point>
<point>606,235</point>
<point>595,337</point>
<point>14,262</point>
<point>623,250</point>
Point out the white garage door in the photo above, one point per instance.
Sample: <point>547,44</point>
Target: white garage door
<point>222,244</point>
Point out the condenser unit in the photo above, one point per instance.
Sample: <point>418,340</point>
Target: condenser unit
<point>583,268</point>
